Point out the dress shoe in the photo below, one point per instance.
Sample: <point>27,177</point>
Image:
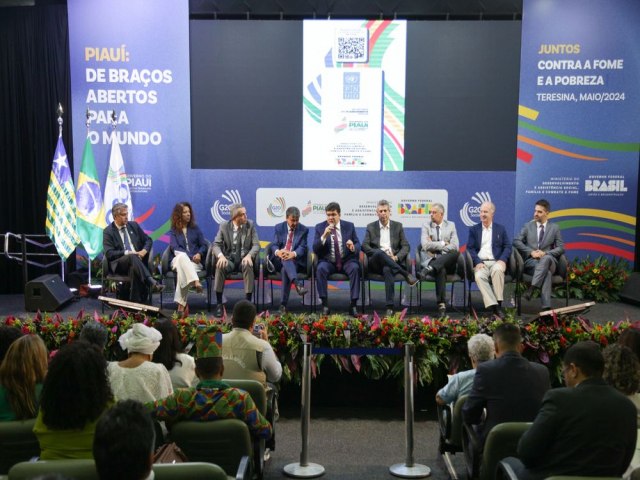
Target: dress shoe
<point>326,311</point>
<point>219,312</point>
<point>442,310</point>
<point>498,312</point>
<point>282,310</point>
<point>411,280</point>
<point>301,290</point>
<point>353,311</point>
<point>428,271</point>
<point>531,292</point>
<point>389,312</point>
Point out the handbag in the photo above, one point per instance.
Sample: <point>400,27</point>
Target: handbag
<point>169,453</point>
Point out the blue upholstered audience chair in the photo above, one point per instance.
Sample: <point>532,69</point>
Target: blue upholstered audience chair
<point>18,443</point>
<point>304,274</point>
<point>560,277</point>
<point>368,276</point>
<point>510,276</point>
<point>458,276</point>
<point>501,442</point>
<point>226,443</point>
<point>169,276</point>
<point>505,472</point>
<point>86,470</point>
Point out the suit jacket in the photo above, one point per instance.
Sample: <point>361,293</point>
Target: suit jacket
<point>195,238</point>
<point>298,245</point>
<point>500,244</point>
<point>114,246</point>
<point>223,242</point>
<point>431,247</point>
<point>399,243</point>
<point>527,240</point>
<point>510,388</point>
<point>348,232</point>
<point>587,430</point>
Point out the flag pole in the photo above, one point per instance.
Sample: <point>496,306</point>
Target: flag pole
<point>88,124</point>
<point>60,111</point>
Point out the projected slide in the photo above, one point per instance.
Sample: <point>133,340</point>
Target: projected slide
<point>353,95</point>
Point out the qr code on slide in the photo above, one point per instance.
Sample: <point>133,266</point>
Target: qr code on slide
<point>351,45</point>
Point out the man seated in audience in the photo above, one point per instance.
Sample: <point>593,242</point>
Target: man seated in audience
<point>481,349</point>
<point>123,443</point>
<point>211,399</point>
<point>585,429</point>
<point>510,387</point>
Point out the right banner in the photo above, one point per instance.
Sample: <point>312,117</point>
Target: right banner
<point>579,121</point>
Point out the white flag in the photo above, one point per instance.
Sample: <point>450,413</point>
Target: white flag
<point>116,189</point>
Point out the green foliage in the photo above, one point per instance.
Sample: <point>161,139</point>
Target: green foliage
<point>600,279</point>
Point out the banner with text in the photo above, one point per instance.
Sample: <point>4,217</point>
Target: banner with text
<point>579,127</point>
<point>132,57</point>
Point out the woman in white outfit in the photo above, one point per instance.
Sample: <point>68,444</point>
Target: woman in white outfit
<point>137,377</point>
<point>187,252</point>
<point>170,353</point>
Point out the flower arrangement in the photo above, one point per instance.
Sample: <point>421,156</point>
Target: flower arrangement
<point>440,345</point>
<point>600,279</point>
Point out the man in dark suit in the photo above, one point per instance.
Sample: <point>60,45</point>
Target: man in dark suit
<point>337,246</point>
<point>585,429</point>
<point>510,387</point>
<point>127,247</point>
<point>540,245</point>
<point>235,247</point>
<point>489,247</point>
<point>288,254</point>
<point>387,249</point>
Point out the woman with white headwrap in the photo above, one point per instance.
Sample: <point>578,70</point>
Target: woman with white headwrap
<point>137,377</point>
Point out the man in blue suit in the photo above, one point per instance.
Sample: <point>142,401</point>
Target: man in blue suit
<point>288,254</point>
<point>337,246</point>
<point>490,248</point>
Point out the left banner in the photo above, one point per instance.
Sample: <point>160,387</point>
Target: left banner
<point>132,57</point>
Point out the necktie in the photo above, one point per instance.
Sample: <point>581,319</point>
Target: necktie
<point>336,248</point>
<point>541,236</point>
<point>438,233</point>
<point>289,244</point>
<point>125,240</point>
<point>237,246</point>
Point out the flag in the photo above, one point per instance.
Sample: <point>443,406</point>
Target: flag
<point>91,220</point>
<point>116,189</point>
<point>61,205</point>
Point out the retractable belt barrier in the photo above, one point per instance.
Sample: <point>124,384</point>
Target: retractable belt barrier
<point>304,469</point>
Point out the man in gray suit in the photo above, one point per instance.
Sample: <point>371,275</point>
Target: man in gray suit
<point>439,242</point>
<point>386,248</point>
<point>235,247</point>
<point>540,245</point>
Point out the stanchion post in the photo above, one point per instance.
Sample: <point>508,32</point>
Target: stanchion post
<point>304,469</point>
<point>409,469</point>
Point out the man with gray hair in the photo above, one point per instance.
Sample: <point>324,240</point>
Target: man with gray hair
<point>288,254</point>
<point>127,247</point>
<point>439,242</point>
<point>235,247</point>
<point>490,248</point>
<point>481,349</point>
<point>387,248</point>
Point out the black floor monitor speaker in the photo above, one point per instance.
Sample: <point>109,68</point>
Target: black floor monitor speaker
<point>46,293</point>
<point>630,293</point>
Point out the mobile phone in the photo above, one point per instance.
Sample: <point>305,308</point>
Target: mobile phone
<point>257,329</point>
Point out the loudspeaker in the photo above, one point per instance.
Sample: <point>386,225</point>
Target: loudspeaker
<point>630,293</point>
<point>46,293</point>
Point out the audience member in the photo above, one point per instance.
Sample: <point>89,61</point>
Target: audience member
<point>124,442</point>
<point>631,338</point>
<point>187,252</point>
<point>586,429</point>
<point>481,349</point>
<point>137,377</point>
<point>75,393</point>
<point>21,375</point>
<point>95,333</point>
<point>510,387</point>
<point>8,335</point>
<point>170,353</point>
<point>246,355</point>
<point>211,399</point>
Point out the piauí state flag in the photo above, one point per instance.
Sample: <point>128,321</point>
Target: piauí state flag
<point>61,205</point>
<point>116,188</point>
<point>91,219</point>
